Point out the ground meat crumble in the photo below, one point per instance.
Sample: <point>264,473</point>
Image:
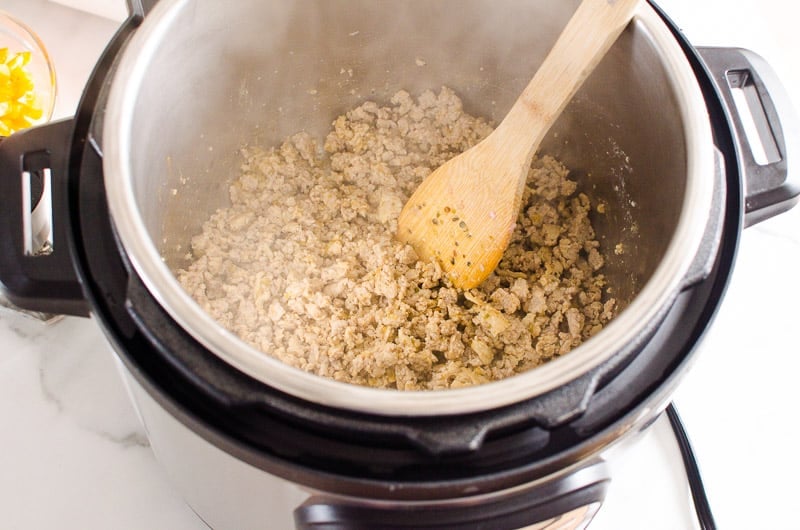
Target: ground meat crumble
<point>304,266</point>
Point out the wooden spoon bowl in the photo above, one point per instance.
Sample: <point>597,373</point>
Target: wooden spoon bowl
<point>463,214</point>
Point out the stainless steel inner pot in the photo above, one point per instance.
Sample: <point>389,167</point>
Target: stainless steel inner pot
<point>201,78</point>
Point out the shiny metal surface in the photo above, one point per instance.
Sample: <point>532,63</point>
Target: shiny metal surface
<point>202,78</point>
<point>210,480</point>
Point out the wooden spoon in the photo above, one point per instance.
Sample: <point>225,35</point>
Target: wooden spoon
<point>463,214</point>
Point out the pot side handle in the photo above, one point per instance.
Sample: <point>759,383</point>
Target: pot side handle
<point>754,95</point>
<point>36,270</point>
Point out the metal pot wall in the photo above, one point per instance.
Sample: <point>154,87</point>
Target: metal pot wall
<point>197,80</point>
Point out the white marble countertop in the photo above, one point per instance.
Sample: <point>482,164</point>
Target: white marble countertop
<point>73,456</point>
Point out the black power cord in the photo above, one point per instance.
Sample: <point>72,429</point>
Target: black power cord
<point>701,504</point>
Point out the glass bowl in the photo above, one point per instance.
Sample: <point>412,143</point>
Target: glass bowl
<point>27,77</point>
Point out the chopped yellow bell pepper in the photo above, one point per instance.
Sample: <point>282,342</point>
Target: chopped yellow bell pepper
<point>19,104</point>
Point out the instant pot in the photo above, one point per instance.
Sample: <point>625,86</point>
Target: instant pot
<point>99,210</point>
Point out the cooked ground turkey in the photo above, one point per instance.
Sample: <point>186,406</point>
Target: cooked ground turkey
<point>304,266</point>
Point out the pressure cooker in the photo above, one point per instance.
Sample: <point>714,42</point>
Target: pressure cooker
<point>98,212</point>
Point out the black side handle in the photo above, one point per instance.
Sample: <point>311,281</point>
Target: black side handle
<point>36,268</point>
<point>763,102</point>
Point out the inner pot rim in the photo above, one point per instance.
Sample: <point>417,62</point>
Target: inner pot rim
<point>653,299</point>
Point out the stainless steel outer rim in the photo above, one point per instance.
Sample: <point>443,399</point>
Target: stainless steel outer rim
<point>656,295</point>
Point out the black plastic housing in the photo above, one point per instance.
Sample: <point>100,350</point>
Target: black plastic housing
<point>366,455</point>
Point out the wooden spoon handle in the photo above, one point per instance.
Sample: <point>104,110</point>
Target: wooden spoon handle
<point>590,33</point>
